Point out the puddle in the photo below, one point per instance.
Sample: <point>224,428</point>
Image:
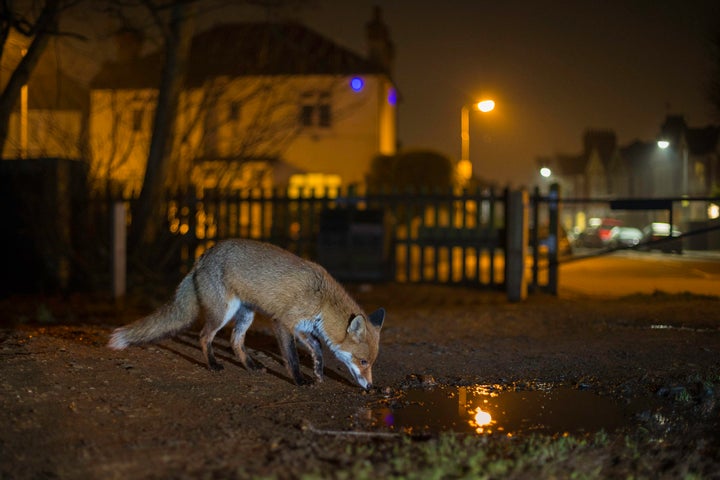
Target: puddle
<point>492,410</point>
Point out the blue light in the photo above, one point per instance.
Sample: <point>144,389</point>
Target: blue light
<point>357,84</point>
<point>392,97</point>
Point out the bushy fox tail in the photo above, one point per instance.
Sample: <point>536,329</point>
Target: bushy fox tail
<point>166,321</point>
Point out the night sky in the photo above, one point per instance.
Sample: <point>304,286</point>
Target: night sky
<point>554,68</point>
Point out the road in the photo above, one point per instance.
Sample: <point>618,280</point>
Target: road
<point>625,273</point>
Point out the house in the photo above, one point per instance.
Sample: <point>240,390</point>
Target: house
<point>263,105</point>
<point>692,157</point>
<point>597,172</point>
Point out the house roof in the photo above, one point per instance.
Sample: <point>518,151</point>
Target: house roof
<point>239,49</point>
<point>604,142</point>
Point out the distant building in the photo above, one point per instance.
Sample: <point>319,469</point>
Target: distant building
<point>689,165</point>
<point>264,105</point>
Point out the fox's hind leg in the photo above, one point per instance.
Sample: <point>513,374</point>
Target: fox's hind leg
<point>243,318</point>
<point>286,340</point>
<point>207,335</point>
<point>214,321</point>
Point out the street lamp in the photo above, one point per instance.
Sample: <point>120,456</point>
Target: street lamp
<point>464,165</point>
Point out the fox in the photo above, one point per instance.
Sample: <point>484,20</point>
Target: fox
<point>236,278</point>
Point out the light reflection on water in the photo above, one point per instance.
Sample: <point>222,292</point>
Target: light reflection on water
<point>486,410</point>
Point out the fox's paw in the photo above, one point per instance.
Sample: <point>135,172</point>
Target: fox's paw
<point>215,367</point>
<point>253,366</point>
<point>303,382</point>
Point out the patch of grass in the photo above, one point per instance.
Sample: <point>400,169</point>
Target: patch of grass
<point>44,315</point>
<point>458,456</point>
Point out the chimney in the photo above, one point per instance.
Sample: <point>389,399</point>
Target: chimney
<point>381,50</point>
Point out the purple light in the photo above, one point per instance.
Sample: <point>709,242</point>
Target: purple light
<point>392,97</point>
<point>357,84</point>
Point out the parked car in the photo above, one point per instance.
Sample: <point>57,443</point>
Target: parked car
<point>605,229</point>
<point>598,233</point>
<point>589,238</point>
<point>625,237</point>
<point>657,236</point>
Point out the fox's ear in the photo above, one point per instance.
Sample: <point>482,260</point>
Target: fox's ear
<point>377,317</point>
<point>357,326</point>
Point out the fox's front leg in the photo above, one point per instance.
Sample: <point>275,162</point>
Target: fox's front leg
<point>313,344</point>
<point>286,340</point>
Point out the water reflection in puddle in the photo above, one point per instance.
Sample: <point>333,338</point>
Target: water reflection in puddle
<point>491,410</point>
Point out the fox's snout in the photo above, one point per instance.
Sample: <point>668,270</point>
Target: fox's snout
<point>364,380</point>
<point>362,375</point>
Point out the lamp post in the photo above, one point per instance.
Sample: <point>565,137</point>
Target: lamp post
<point>24,116</point>
<point>683,150</point>
<point>464,165</point>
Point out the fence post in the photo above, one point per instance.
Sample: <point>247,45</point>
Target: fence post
<point>516,245</point>
<point>554,237</point>
<point>119,250</point>
<point>535,239</point>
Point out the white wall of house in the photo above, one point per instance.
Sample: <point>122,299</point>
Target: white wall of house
<point>44,133</point>
<point>314,124</point>
<point>120,125</point>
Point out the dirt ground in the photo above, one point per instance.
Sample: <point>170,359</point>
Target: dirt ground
<point>72,408</point>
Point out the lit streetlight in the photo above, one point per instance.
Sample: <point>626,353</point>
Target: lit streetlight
<point>464,165</point>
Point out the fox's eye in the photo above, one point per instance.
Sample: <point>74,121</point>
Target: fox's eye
<point>363,362</point>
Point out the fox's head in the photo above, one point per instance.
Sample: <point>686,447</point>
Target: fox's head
<point>359,349</point>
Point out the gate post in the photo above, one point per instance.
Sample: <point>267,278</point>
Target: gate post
<point>516,245</point>
<point>554,237</point>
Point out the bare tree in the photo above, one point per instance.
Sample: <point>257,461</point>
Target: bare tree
<point>178,35</point>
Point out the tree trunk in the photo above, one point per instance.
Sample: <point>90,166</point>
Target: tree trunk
<point>148,214</point>
<point>44,26</point>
